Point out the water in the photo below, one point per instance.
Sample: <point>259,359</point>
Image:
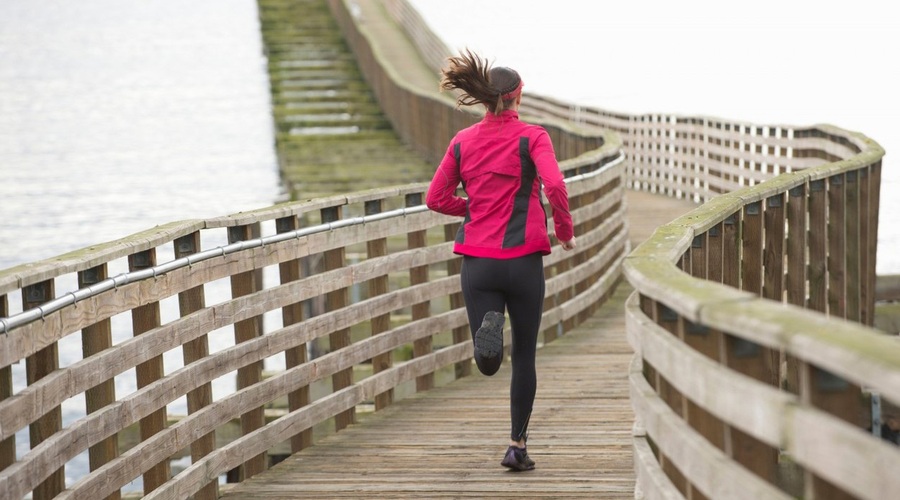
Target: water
<point>769,62</point>
<point>118,116</point>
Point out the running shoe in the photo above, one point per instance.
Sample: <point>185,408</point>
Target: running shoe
<point>489,343</point>
<point>517,459</point>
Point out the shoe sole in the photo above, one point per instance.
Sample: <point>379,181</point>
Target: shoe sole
<point>489,343</point>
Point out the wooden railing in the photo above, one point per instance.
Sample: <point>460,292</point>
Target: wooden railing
<point>755,371</point>
<point>334,305</point>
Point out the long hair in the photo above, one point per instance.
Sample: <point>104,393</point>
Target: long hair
<point>479,82</point>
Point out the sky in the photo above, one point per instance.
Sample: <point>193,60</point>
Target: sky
<point>764,62</point>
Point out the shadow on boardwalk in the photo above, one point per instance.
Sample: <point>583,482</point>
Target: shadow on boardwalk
<point>448,442</point>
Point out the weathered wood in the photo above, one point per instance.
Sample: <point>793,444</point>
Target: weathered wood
<point>462,333</point>
<point>189,302</point>
<point>94,339</point>
<point>419,275</point>
<point>379,286</point>
<point>7,445</point>
<point>796,246</point>
<point>340,338</point>
<point>143,319</point>
<point>463,427</point>
<point>291,271</point>
<point>818,247</point>
<point>852,233</point>
<point>752,248</point>
<point>837,247</point>
<point>871,248</point>
<point>247,330</point>
<point>38,366</point>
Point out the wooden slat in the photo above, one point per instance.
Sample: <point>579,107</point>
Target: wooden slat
<point>247,330</point>
<point>419,275</point>
<point>38,366</point>
<point>339,338</point>
<point>448,442</point>
<point>7,445</point>
<point>144,319</point>
<point>95,339</point>
<point>379,286</point>
<point>189,302</point>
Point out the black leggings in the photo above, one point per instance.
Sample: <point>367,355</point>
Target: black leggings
<point>516,285</point>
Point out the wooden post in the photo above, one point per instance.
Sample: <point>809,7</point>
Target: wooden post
<point>191,301</point>
<point>419,275</point>
<point>145,318</point>
<point>838,397</point>
<point>244,284</point>
<point>699,256</point>
<point>837,306</point>
<point>752,248</point>
<point>379,286</point>
<point>866,286</point>
<point>461,333</point>
<point>292,271</point>
<point>852,248</point>
<point>334,259</point>
<point>715,253</point>
<point>95,339</point>
<point>731,250</point>
<point>773,269</point>
<point>796,246</point>
<point>874,197</point>
<point>8,445</point>
<point>749,359</point>
<point>38,366</point>
<point>818,247</point>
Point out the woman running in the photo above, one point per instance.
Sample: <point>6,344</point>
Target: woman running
<point>502,164</point>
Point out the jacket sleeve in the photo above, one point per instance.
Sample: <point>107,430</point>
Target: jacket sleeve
<point>554,186</point>
<point>441,196</point>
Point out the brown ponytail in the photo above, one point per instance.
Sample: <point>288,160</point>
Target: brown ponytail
<point>495,88</point>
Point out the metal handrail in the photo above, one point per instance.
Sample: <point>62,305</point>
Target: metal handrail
<point>71,298</point>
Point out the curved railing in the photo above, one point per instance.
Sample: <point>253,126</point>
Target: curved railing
<point>749,381</point>
<point>754,375</point>
<point>305,313</point>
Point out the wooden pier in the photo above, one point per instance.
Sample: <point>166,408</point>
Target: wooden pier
<point>448,442</point>
<point>729,354</point>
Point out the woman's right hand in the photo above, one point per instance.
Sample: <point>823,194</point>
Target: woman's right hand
<point>568,245</point>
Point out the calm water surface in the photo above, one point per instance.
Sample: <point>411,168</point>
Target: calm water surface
<point>119,116</point>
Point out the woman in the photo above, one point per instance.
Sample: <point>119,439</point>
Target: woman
<point>502,164</point>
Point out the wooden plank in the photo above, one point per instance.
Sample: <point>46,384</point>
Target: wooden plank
<point>818,246</point>
<point>288,272</point>
<point>189,302</point>
<point>419,275</point>
<point>837,274</point>
<point>8,445</point>
<point>852,256</point>
<point>447,443</point>
<point>461,333</point>
<point>752,248</point>
<point>143,319</point>
<point>95,339</point>
<point>247,330</point>
<point>340,338</point>
<point>382,323</point>
<point>38,366</point>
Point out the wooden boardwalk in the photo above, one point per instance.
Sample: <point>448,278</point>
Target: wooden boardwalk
<point>448,442</point>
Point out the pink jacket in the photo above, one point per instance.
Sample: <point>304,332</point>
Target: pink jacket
<point>501,163</point>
